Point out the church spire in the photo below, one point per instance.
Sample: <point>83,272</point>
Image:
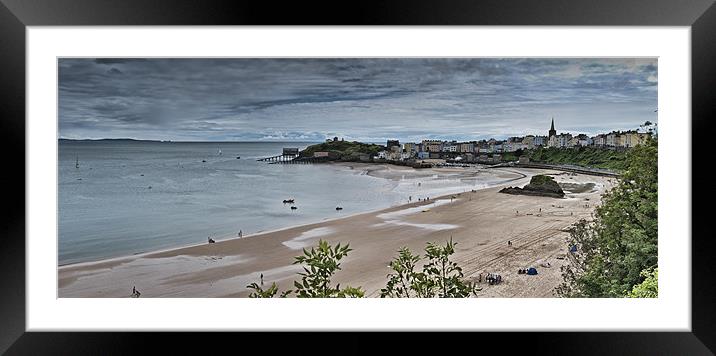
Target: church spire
<point>552,131</point>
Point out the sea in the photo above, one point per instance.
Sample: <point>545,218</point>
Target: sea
<point>124,197</point>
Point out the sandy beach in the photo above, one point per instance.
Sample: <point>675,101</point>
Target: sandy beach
<point>480,221</point>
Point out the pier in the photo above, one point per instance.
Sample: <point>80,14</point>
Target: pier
<point>291,156</point>
<point>301,160</point>
<point>288,154</point>
<point>278,158</point>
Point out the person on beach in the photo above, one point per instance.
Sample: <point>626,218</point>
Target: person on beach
<point>241,234</point>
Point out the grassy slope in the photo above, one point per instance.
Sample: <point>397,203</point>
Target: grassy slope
<point>583,156</point>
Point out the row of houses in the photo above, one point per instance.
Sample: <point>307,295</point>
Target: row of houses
<point>429,149</point>
<point>433,149</point>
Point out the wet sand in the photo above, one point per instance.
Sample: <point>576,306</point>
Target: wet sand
<point>481,222</point>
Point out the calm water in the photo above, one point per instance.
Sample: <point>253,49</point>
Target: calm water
<point>106,208</point>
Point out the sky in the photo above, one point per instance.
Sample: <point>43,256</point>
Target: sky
<point>363,99</point>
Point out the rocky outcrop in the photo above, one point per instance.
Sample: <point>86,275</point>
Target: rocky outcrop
<point>540,185</point>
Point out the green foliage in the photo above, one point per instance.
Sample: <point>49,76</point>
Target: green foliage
<point>405,280</point>
<point>649,288</point>
<point>508,157</point>
<point>319,265</point>
<point>344,150</point>
<point>440,277</point>
<point>621,242</point>
<point>260,293</point>
<point>541,179</point>
<point>582,156</point>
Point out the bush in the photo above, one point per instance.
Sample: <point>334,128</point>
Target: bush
<point>621,242</point>
<point>319,266</point>
<point>649,288</point>
<point>440,277</point>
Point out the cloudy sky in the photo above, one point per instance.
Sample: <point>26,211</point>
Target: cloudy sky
<point>359,99</point>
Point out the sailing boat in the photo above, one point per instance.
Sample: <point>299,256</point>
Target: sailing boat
<point>77,162</point>
<point>219,152</point>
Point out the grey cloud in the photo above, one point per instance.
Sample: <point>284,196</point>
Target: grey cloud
<point>313,98</point>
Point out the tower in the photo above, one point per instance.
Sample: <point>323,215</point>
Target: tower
<point>552,131</point>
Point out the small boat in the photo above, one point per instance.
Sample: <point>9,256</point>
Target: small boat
<point>293,208</point>
<point>339,208</point>
<point>203,161</point>
<point>238,157</point>
<point>218,153</point>
<point>288,201</point>
<point>77,162</point>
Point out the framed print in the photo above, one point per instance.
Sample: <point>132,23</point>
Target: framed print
<point>414,178</point>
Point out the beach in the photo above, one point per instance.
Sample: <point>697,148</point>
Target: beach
<point>481,221</point>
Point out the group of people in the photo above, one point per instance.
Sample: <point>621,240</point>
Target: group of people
<point>135,292</point>
<point>493,278</point>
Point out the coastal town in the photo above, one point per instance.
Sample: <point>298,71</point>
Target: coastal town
<point>493,150</point>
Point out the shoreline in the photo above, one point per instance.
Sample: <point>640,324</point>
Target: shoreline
<point>369,168</point>
<point>224,269</point>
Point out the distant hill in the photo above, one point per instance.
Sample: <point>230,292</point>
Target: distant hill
<point>108,139</point>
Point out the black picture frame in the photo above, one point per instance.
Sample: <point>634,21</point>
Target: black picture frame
<point>15,15</point>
